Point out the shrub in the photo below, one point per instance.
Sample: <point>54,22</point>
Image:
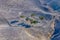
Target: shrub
<point>34,22</point>
<point>22,16</point>
<point>32,14</point>
<point>41,17</point>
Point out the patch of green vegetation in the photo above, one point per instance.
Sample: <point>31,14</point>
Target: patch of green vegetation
<point>32,14</point>
<point>34,22</point>
<point>22,16</point>
<point>29,19</point>
<point>41,17</point>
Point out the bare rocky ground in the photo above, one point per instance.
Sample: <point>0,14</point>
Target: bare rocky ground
<point>10,9</point>
<point>11,33</point>
<point>18,33</point>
